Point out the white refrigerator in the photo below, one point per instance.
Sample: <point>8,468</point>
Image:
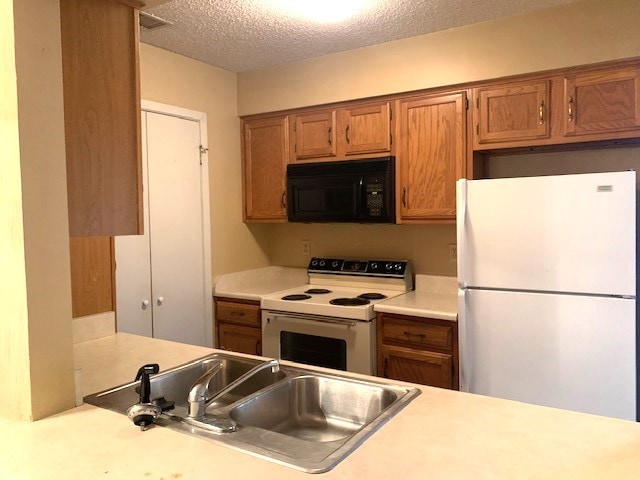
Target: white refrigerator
<point>547,291</point>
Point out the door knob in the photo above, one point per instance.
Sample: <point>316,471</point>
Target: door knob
<point>160,300</point>
<point>145,304</point>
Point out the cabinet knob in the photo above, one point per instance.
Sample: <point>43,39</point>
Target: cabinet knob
<point>160,301</point>
<point>145,304</point>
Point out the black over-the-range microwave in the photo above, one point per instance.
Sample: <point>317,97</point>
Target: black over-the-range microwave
<point>347,191</point>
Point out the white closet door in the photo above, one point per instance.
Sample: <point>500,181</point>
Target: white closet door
<point>134,312</point>
<point>176,229</point>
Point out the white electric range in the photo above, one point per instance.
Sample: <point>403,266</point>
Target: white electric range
<point>330,321</point>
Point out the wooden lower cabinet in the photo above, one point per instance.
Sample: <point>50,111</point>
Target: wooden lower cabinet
<point>240,339</point>
<point>427,368</point>
<point>418,350</point>
<point>238,325</point>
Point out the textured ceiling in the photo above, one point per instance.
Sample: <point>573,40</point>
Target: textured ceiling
<point>242,35</point>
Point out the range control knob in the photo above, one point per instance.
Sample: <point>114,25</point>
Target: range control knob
<point>398,266</point>
<point>388,266</point>
<point>374,265</point>
<point>314,263</point>
<point>334,264</point>
<point>322,263</point>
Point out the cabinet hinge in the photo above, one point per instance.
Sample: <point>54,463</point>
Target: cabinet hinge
<point>466,104</point>
<point>203,150</point>
<point>477,102</point>
<point>391,139</point>
<point>295,148</point>
<point>391,114</point>
<point>477,129</point>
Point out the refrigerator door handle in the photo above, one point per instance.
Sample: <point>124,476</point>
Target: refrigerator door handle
<point>461,214</point>
<point>463,369</point>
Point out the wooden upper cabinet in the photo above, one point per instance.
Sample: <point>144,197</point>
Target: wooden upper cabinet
<point>507,113</point>
<point>597,103</point>
<point>102,116</point>
<point>314,135</point>
<point>430,155</point>
<point>365,129</point>
<point>265,154</point>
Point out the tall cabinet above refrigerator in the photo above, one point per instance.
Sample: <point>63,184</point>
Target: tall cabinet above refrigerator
<point>547,291</point>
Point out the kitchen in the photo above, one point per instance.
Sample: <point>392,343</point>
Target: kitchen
<point>214,91</point>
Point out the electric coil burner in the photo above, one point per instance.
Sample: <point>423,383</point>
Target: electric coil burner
<point>318,291</point>
<point>331,320</point>
<point>296,297</point>
<point>372,296</point>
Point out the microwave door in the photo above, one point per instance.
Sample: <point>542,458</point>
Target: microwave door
<point>325,199</point>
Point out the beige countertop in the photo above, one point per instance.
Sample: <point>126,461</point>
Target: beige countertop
<point>433,297</point>
<point>441,434</point>
<point>254,284</point>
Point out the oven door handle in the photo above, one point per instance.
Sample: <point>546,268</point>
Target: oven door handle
<point>315,318</point>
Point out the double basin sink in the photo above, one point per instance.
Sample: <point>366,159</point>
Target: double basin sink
<point>297,417</point>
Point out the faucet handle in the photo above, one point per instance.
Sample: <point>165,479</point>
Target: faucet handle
<point>145,384</point>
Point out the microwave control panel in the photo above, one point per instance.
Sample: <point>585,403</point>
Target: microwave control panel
<point>375,196</point>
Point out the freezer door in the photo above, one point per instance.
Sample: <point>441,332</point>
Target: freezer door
<point>569,233</point>
<point>565,351</point>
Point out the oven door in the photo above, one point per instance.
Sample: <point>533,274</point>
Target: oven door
<point>337,343</point>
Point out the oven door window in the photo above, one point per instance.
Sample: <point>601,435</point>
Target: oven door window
<point>314,350</point>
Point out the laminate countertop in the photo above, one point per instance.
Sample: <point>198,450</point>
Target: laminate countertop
<point>434,297</point>
<point>441,434</point>
<point>255,284</point>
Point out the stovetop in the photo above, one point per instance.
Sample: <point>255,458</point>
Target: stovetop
<point>320,304</point>
<point>344,288</point>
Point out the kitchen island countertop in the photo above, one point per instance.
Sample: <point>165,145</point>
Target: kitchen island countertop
<point>441,434</point>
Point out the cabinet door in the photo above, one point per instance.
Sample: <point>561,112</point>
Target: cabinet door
<point>240,339</point>
<point>91,275</point>
<point>265,155</point>
<point>426,368</point>
<point>512,112</point>
<point>602,102</point>
<point>102,117</point>
<point>315,135</point>
<point>430,155</point>
<point>366,129</point>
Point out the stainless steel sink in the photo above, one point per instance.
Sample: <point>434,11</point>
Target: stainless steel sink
<point>315,408</point>
<point>174,384</point>
<point>297,417</point>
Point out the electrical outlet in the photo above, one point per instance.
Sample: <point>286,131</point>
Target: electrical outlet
<point>306,247</point>
<point>453,252</point>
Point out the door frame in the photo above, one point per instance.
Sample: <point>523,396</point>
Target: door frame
<point>201,118</point>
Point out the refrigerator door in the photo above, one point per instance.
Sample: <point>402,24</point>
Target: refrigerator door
<point>569,233</point>
<point>566,351</point>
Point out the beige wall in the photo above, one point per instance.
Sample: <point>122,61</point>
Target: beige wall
<point>176,80</point>
<point>37,356</point>
<point>426,245</point>
<point>585,32</point>
<point>560,163</point>
<point>14,333</point>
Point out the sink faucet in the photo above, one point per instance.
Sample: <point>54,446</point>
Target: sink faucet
<point>198,400</point>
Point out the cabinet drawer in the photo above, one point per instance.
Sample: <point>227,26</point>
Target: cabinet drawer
<point>240,313</point>
<point>417,333</point>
